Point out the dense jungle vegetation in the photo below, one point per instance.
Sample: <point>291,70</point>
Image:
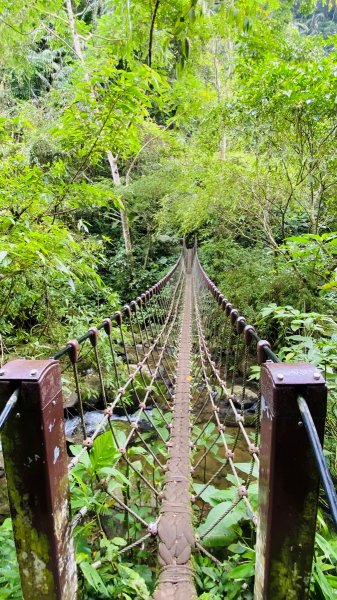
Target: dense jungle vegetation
<point>126,125</point>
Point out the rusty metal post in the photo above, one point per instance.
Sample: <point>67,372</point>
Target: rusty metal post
<point>288,481</point>
<point>35,459</point>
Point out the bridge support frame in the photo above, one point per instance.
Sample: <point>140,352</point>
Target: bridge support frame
<point>35,460</point>
<point>288,481</point>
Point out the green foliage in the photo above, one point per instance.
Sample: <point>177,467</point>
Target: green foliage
<point>230,527</point>
<point>115,581</point>
<point>98,476</point>
<point>9,571</point>
<point>324,579</point>
<point>226,259</point>
<point>309,337</point>
<point>314,257</point>
<point>222,120</point>
<point>232,579</point>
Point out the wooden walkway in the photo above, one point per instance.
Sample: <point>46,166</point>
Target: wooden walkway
<point>175,529</point>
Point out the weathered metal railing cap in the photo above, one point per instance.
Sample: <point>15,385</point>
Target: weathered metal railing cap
<point>299,373</point>
<point>25,370</point>
<point>29,374</point>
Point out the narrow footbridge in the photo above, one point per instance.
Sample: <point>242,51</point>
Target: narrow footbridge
<point>186,448</point>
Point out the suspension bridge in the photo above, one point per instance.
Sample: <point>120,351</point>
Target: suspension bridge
<point>182,439</point>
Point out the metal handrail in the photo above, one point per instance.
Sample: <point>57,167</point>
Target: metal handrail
<point>9,406</point>
<point>319,457</point>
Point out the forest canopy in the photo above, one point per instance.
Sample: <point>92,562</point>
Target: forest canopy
<point>127,125</point>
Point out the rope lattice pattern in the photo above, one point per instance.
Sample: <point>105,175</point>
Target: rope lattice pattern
<point>177,359</point>
<point>134,360</point>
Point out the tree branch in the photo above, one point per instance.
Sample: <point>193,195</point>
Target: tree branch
<point>153,19</point>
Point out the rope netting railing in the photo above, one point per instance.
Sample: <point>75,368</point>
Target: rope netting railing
<point>138,348</point>
<point>235,327</point>
<point>163,436</point>
<point>224,420</point>
<point>225,344</point>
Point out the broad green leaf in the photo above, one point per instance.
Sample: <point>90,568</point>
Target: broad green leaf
<point>93,578</point>
<point>242,571</point>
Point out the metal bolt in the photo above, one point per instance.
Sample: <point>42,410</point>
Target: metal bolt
<point>33,373</point>
<point>300,423</point>
<point>317,375</point>
<point>53,402</point>
<point>280,376</point>
<point>18,416</point>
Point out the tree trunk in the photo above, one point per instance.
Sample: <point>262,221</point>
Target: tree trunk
<point>147,253</point>
<point>223,147</point>
<point>124,217</point>
<point>74,34</point>
<point>111,158</point>
<point>223,141</point>
<point>222,91</point>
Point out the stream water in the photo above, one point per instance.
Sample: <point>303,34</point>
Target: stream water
<point>203,472</point>
<point>92,418</point>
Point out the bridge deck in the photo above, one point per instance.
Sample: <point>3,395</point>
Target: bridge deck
<point>175,529</point>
